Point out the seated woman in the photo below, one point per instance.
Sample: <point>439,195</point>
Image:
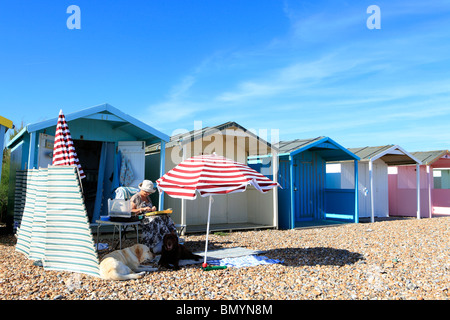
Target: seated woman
<point>153,227</point>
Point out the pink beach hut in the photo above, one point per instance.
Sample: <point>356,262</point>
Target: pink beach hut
<point>434,186</point>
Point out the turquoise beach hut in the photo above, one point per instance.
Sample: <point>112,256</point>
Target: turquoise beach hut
<point>99,134</point>
<point>304,198</point>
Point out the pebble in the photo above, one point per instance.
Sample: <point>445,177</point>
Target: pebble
<point>388,260</point>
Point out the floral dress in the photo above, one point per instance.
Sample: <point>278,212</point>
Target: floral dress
<point>153,227</point>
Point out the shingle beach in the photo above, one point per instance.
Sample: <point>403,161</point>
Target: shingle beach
<point>389,260</point>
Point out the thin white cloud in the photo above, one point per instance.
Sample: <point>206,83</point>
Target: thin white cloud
<point>181,89</point>
<point>295,78</point>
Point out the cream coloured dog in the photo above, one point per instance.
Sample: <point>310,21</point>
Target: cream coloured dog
<point>125,264</point>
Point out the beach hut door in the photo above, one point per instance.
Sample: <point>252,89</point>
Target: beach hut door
<point>308,184</point>
<point>134,151</point>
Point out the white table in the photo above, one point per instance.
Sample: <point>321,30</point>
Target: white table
<point>121,226</point>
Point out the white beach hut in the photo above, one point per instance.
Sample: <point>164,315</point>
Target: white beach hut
<point>373,187</point>
<point>247,210</point>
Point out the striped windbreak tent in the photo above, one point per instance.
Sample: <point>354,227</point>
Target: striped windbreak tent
<point>54,227</point>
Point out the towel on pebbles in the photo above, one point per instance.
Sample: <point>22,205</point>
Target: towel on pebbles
<point>235,257</point>
<point>244,261</point>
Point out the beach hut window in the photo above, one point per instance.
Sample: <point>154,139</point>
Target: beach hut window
<point>333,168</point>
<point>333,175</point>
<point>441,178</point>
<point>392,170</point>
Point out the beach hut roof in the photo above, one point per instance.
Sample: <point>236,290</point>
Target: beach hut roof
<point>8,124</point>
<point>329,149</point>
<point>430,157</point>
<point>191,136</point>
<point>392,155</point>
<point>117,119</point>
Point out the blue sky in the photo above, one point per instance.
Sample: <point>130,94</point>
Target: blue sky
<point>304,68</point>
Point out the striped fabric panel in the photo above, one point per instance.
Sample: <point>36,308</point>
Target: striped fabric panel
<point>211,175</point>
<point>25,230</point>
<point>55,227</point>
<point>38,229</point>
<point>69,242</point>
<point>19,197</point>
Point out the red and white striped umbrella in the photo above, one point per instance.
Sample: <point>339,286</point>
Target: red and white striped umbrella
<point>211,175</point>
<point>63,149</point>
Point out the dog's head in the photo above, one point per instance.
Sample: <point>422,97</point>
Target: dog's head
<point>170,241</point>
<point>143,252</point>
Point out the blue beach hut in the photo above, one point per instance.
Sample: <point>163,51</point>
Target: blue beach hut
<point>304,198</point>
<point>99,134</point>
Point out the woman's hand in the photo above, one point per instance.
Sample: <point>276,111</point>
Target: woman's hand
<point>145,209</point>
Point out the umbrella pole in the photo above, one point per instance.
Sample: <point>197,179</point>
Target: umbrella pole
<point>207,230</point>
<point>205,265</point>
